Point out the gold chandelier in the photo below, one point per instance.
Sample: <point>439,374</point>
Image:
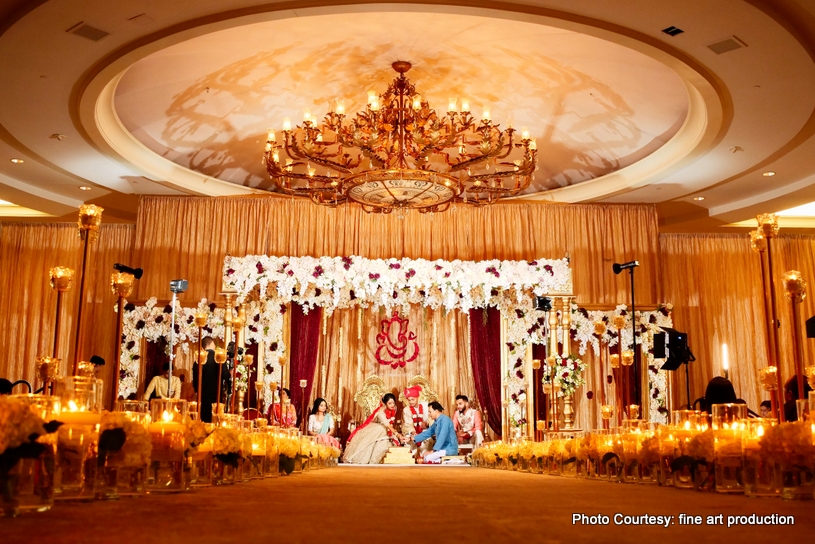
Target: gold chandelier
<point>400,154</point>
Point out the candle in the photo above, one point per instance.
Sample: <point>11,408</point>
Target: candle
<point>80,418</point>
<point>725,361</point>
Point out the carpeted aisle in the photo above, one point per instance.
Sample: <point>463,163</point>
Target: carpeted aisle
<point>382,506</point>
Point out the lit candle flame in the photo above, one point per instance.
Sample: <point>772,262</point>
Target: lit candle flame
<point>167,416</point>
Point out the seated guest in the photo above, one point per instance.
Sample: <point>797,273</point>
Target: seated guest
<point>442,430</point>
<point>369,442</point>
<point>321,424</point>
<point>791,395</point>
<point>289,418</point>
<point>765,408</point>
<point>187,389</point>
<point>158,385</point>
<point>719,391</point>
<point>467,422</point>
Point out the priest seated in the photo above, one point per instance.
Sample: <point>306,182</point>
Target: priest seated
<point>467,422</point>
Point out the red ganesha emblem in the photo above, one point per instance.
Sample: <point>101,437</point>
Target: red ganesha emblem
<point>397,345</point>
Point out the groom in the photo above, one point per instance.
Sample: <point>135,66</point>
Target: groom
<point>444,433</point>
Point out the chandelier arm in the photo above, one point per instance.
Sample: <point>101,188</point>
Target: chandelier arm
<point>294,150</point>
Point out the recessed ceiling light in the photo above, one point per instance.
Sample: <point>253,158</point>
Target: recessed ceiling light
<point>84,187</point>
<point>17,161</point>
<point>768,174</point>
<point>699,198</point>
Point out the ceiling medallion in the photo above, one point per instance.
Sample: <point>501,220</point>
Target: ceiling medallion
<point>400,154</point>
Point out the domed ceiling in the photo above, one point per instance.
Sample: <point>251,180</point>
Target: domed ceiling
<point>594,106</point>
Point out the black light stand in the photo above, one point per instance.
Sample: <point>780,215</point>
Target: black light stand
<point>630,266</point>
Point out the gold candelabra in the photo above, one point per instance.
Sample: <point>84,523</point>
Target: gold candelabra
<point>90,217</point>
<point>795,289</point>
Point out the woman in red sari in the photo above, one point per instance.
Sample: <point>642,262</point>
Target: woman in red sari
<point>289,418</point>
<point>369,443</point>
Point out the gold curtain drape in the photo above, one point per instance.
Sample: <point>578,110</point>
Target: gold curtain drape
<point>714,282</point>
<point>187,237</point>
<point>28,304</point>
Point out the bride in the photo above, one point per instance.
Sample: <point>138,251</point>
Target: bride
<point>369,443</point>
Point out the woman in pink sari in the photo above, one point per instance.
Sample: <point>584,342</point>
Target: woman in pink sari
<point>289,418</point>
<point>369,443</point>
<point>321,424</point>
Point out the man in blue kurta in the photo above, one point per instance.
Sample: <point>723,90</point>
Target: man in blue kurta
<point>443,431</point>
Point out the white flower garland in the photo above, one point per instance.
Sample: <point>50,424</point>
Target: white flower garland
<point>649,323</point>
<point>150,322</point>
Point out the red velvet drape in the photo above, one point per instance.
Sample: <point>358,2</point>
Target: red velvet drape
<point>305,343</point>
<point>485,354</point>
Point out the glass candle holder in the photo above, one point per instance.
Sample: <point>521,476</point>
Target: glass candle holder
<point>167,433</point>
<point>258,459</point>
<point>758,472</point>
<point>201,461</point>
<point>728,425</point>
<point>29,485</point>
<point>666,435</point>
<point>802,409</point>
<point>633,412</point>
<point>272,469</point>
<point>78,437</point>
<point>123,472</point>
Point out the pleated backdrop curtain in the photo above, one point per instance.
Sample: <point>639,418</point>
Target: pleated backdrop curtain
<point>28,304</point>
<point>714,282</point>
<point>347,357</point>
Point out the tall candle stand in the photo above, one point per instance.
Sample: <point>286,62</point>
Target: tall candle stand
<point>90,217</point>
<point>61,280</point>
<point>220,359</point>
<point>238,322</point>
<point>795,289</point>
<point>121,284</point>
<point>768,223</point>
<point>536,379</point>
<point>200,322</point>
<point>614,363</point>
<point>228,310</point>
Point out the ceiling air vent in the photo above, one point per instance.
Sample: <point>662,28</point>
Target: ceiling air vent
<point>672,31</point>
<point>726,45</point>
<point>87,31</point>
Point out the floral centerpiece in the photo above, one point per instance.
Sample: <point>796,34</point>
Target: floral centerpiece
<point>226,449</point>
<point>790,447</point>
<point>124,450</point>
<point>22,450</point>
<point>289,449</point>
<point>567,373</point>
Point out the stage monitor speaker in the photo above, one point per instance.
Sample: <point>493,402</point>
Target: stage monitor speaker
<point>677,348</point>
<point>659,345</point>
<point>811,327</point>
<point>543,304</point>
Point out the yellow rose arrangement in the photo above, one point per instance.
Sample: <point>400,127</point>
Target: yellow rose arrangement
<point>526,450</point>
<point>540,449</point>
<point>648,452</point>
<point>701,446</point>
<point>502,451</point>
<point>226,440</point>
<point>618,446</point>
<point>325,452</point>
<point>789,444</point>
<point>18,422</point>
<point>137,446</point>
<point>289,447</point>
<point>335,452</point>
<point>587,447</point>
<point>557,447</point>
<point>308,448</point>
<point>512,453</point>
<point>569,446</point>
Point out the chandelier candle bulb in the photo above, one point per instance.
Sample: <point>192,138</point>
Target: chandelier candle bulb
<point>270,135</point>
<point>452,105</point>
<point>286,124</point>
<point>465,105</point>
<point>417,103</point>
<point>485,115</point>
<point>525,134</point>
